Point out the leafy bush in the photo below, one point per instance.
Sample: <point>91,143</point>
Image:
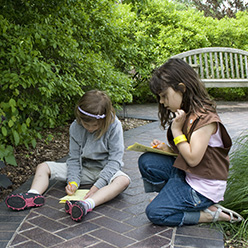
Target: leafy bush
<point>229,94</point>
<point>51,53</point>
<point>165,29</point>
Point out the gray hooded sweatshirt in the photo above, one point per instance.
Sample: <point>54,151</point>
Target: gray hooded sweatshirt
<point>86,151</point>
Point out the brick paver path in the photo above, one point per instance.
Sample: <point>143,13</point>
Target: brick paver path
<point>118,223</point>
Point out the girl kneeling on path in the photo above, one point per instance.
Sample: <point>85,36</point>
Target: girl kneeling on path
<point>95,157</point>
<point>191,184</point>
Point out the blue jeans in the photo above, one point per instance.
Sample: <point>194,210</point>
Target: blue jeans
<point>177,203</point>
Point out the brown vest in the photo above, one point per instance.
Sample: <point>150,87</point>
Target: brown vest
<point>215,162</point>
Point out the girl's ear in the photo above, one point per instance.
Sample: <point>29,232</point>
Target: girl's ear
<point>182,87</point>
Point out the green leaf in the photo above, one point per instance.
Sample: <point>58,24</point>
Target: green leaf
<point>12,60</point>
<point>33,142</point>
<point>11,123</point>
<point>2,151</point>
<point>28,121</point>
<point>16,137</point>
<point>39,136</point>
<point>12,102</point>
<point>4,131</point>
<point>7,153</point>
<point>24,127</point>
<point>11,160</point>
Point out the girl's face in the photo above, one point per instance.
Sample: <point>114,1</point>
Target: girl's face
<point>91,127</point>
<point>171,99</point>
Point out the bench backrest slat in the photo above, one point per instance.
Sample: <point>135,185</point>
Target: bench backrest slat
<point>195,59</point>
<point>190,61</point>
<point>246,65</point>
<point>222,66</point>
<point>227,65</point>
<point>211,63</point>
<point>216,65</point>
<point>232,68</point>
<point>236,65</point>
<point>206,63</point>
<point>220,63</point>
<point>201,66</point>
<point>241,66</point>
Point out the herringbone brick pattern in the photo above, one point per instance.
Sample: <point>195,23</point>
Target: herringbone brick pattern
<point>118,223</point>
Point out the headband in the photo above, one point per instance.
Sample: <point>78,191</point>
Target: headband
<point>91,115</point>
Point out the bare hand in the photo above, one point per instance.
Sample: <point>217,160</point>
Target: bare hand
<point>91,192</point>
<point>70,189</point>
<point>178,121</point>
<point>159,145</point>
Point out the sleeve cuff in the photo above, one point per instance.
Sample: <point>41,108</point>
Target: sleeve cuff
<point>100,183</point>
<point>73,182</point>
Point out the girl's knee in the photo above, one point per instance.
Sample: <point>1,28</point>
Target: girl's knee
<point>143,161</point>
<point>142,158</point>
<point>123,181</point>
<point>163,217</point>
<point>156,215</point>
<point>43,168</point>
<point>153,215</point>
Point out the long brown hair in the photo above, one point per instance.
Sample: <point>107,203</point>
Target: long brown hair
<point>96,102</point>
<point>174,73</point>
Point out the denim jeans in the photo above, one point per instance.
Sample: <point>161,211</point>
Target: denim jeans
<point>177,203</point>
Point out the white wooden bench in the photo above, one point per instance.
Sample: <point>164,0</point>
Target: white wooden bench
<point>219,66</point>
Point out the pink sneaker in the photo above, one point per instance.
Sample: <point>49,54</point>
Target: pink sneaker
<point>68,206</point>
<point>78,211</point>
<point>24,200</point>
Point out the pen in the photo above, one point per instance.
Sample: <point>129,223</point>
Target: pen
<point>70,184</point>
<point>156,145</point>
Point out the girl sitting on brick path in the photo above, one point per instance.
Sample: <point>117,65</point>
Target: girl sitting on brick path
<point>190,184</point>
<point>95,157</point>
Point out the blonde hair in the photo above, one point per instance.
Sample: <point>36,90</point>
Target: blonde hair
<point>96,102</point>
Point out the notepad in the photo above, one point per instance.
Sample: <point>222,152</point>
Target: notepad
<point>78,196</point>
<point>142,148</point>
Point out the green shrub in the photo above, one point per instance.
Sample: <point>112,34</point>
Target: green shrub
<point>229,94</point>
<point>163,30</point>
<point>51,53</point>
